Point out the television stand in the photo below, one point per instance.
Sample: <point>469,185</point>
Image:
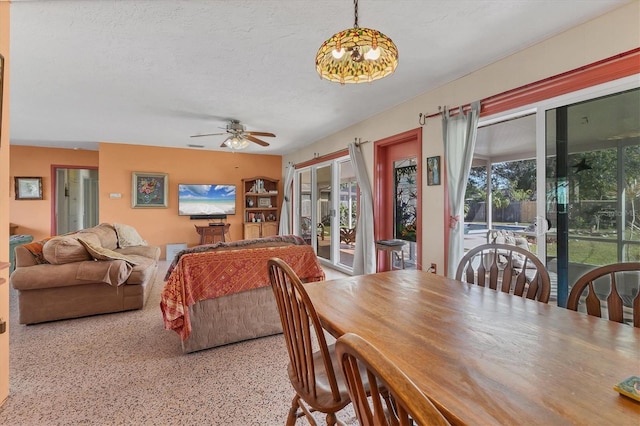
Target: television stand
<point>213,233</point>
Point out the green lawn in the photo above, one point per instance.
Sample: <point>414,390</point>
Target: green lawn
<point>595,252</point>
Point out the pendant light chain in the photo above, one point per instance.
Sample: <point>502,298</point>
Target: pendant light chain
<point>355,4</point>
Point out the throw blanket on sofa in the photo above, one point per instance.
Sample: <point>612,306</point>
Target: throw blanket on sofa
<point>292,239</point>
<point>210,274</point>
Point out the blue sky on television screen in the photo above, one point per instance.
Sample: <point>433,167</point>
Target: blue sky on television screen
<point>206,199</point>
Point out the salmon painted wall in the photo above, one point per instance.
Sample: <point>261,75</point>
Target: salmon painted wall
<point>161,226</point>
<point>4,206</point>
<point>34,216</point>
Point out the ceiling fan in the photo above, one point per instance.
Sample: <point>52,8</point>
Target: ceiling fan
<point>238,136</point>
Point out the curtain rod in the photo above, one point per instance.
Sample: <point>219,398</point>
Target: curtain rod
<point>356,141</point>
<point>422,118</point>
<point>317,157</point>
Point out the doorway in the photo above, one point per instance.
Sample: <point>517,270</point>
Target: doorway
<point>325,210</point>
<point>593,186</point>
<point>587,165</point>
<point>398,200</point>
<point>75,198</point>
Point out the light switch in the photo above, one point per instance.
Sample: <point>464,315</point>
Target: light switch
<point>115,195</point>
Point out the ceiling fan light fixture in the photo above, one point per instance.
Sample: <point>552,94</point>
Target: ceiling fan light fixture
<point>370,55</point>
<point>236,142</point>
<point>237,136</point>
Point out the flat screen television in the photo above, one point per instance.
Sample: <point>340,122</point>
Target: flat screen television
<point>194,200</point>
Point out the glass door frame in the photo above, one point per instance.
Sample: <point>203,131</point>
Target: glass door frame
<point>539,109</point>
<point>334,208</point>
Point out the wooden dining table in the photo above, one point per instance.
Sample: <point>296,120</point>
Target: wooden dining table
<point>487,357</point>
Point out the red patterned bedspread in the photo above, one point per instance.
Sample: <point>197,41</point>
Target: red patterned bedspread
<point>201,276</point>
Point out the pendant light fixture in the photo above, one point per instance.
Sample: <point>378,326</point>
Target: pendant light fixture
<point>357,55</point>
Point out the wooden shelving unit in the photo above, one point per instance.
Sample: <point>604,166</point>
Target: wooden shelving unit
<point>261,207</point>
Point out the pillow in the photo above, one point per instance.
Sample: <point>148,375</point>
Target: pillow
<point>35,248</point>
<point>128,236</point>
<point>60,250</point>
<point>101,253</point>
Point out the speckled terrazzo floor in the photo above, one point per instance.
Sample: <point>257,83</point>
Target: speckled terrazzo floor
<point>125,369</point>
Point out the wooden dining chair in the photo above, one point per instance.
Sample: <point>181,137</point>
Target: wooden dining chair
<point>615,305</point>
<point>315,375</point>
<point>507,268</point>
<point>410,405</point>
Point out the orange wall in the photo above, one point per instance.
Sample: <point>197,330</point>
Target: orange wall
<point>116,162</point>
<point>161,226</point>
<point>34,216</point>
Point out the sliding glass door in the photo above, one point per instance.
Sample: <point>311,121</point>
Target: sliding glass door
<point>592,185</point>
<point>564,174</point>
<point>326,209</point>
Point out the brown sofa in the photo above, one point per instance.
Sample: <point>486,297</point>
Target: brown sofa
<point>94,271</point>
<point>220,293</point>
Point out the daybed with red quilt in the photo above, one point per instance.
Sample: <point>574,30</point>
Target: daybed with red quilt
<point>220,293</point>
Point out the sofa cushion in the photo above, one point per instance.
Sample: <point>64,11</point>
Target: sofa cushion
<point>144,271</point>
<point>114,272</point>
<point>98,252</point>
<point>152,252</point>
<point>48,276</point>
<point>105,233</point>
<point>128,236</point>
<point>64,249</point>
<point>35,248</point>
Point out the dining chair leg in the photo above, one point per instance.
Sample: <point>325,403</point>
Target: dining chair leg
<point>293,411</point>
<point>331,419</point>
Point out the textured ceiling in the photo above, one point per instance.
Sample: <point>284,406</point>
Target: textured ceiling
<point>155,72</point>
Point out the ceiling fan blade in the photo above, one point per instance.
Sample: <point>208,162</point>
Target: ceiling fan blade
<point>256,140</point>
<point>208,134</point>
<point>271,135</point>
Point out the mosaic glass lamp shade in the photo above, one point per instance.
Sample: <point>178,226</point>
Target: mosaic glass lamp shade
<point>356,55</point>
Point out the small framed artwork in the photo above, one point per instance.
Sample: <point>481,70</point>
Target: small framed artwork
<point>433,170</point>
<point>150,190</point>
<point>264,202</point>
<point>28,188</point>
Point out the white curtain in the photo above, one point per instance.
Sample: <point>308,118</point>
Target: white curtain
<point>285,212</point>
<point>459,136</point>
<point>364,261</point>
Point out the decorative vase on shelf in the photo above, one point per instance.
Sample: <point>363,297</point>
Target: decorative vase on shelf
<point>249,202</point>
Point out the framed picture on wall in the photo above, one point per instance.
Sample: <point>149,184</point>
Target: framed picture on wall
<point>28,188</point>
<point>433,170</point>
<point>150,190</point>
